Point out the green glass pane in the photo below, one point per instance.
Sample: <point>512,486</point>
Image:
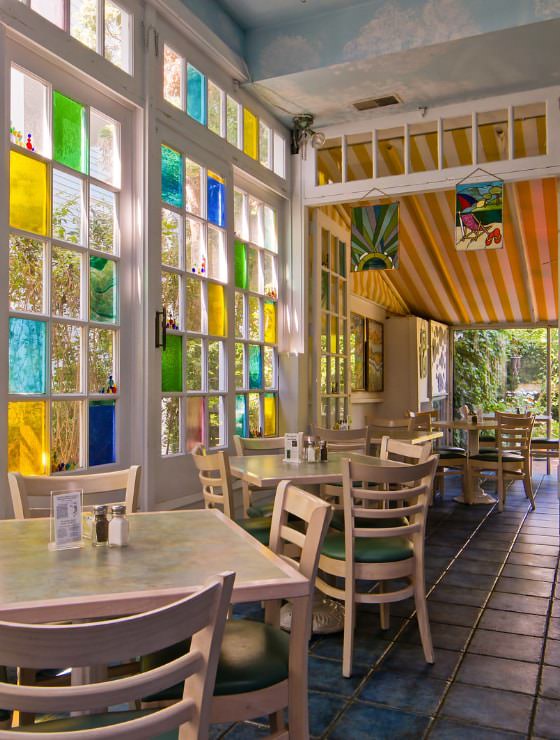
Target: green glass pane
<point>171,177</point>
<point>172,365</point>
<point>255,366</point>
<point>240,265</point>
<point>196,94</point>
<point>241,415</point>
<point>70,144</point>
<point>102,290</point>
<point>27,356</point>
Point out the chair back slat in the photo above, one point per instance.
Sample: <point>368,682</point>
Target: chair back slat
<point>258,445</point>
<point>395,449</point>
<point>344,440</point>
<point>215,477</point>
<point>514,434</point>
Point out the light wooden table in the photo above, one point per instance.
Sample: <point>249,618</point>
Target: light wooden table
<point>170,555</point>
<point>403,435</point>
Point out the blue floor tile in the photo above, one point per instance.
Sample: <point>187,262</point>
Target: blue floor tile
<point>365,721</point>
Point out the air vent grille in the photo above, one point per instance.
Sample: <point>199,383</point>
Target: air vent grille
<point>377,102</point>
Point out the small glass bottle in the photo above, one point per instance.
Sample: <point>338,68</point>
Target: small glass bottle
<point>118,527</point>
<point>324,451</point>
<point>311,452</point>
<point>100,529</point>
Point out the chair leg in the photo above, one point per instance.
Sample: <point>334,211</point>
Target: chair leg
<point>528,486</point>
<point>501,489</point>
<point>384,609</point>
<point>348,639</point>
<point>422,617</point>
<point>277,721</point>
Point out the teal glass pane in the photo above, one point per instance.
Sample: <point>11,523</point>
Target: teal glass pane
<point>27,356</point>
<point>70,145</point>
<point>255,366</point>
<point>171,177</point>
<point>102,290</point>
<point>102,433</point>
<point>172,365</point>
<point>241,415</point>
<point>240,265</point>
<point>196,94</point>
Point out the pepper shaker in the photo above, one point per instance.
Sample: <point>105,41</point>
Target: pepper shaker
<point>100,529</point>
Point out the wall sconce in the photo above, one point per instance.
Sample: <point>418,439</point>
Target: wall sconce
<point>302,132</point>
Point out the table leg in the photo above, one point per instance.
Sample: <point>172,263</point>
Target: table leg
<point>474,494</point>
<point>298,710</point>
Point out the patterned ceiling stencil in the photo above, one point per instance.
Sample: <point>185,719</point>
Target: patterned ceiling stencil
<point>439,343</point>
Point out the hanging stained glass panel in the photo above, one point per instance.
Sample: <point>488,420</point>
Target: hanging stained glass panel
<point>375,237</point>
<point>479,219</point>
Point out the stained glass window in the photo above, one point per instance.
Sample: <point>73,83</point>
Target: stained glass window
<point>171,177</point>
<point>195,422</point>
<point>250,134</point>
<point>196,94</point>
<point>63,280</point>
<point>172,365</point>
<point>216,199</point>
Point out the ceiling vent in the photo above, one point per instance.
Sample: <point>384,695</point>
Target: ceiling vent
<point>372,103</point>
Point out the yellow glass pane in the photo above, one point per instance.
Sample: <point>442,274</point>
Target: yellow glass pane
<point>250,134</point>
<point>27,437</point>
<point>269,415</point>
<point>28,193</point>
<point>216,310</point>
<point>269,315</point>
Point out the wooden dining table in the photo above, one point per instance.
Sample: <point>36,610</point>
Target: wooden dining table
<point>170,555</point>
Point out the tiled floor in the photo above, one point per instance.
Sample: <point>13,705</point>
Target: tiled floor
<point>494,606</point>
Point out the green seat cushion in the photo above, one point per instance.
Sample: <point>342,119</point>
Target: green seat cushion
<point>337,521</point>
<point>492,456</point>
<point>449,455</point>
<point>91,722</point>
<point>259,510</point>
<point>253,656</point>
<point>368,550</point>
<point>259,527</point>
<point>457,451</point>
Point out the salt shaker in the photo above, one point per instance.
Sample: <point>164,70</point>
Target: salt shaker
<point>118,527</point>
<point>100,529</point>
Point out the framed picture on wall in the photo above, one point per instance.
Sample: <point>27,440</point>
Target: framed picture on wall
<point>374,356</point>
<point>357,352</point>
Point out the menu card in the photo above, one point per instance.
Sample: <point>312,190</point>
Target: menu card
<point>293,447</point>
<point>66,520</point>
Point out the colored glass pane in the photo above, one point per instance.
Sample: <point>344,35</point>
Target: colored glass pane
<point>102,290</point>
<point>216,199</point>
<point>215,366</point>
<point>254,318</point>
<point>172,365</point>
<point>170,426</point>
<point>52,10</point>
<point>269,413</point>
<point>102,220</point>
<point>194,365</point>
<point>101,364</point>
<point>215,115</point>
<point>173,65</point>
<point>28,112</point>
<point>27,356</point>
<point>250,134</point>
<point>240,365</point>
<point>170,237</point>
<point>194,242</point>
<point>193,304</point>
<point>26,274</point>
<point>66,271</point>
<point>27,437</point>
<point>254,403</point>
<point>255,366</point>
<point>102,433</point>
<point>83,22</point>
<point>324,331</point>
<point>118,35</point>
<point>104,154</point>
<point>264,145</point>
<point>241,415</point>
<point>65,424</point>
<point>65,358</point>
<point>215,421</point>
<point>196,94</point>
<point>239,315</point>
<point>171,177</point>
<point>69,132</point>
<point>270,275</point>
<point>269,320</point>
<point>194,426</point>
<point>269,367</point>
<point>232,121</point>
<point>193,187</point>
<point>28,193</point>
<point>170,298</point>
<point>216,310</point>
<point>217,263</point>
<point>67,207</point>
<point>240,265</point>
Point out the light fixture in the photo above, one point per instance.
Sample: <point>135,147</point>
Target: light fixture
<point>302,133</point>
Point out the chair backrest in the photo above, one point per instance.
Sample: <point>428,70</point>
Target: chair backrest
<point>200,616</point>
<point>258,445</point>
<point>344,440</point>
<point>379,423</point>
<point>394,449</point>
<point>214,474</point>
<point>94,485</point>
<point>409,486</point>
<point>511,415</point>
<point>420,421</point>
<point>513,434</point>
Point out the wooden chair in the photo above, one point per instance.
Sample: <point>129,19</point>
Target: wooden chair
<point>217,491</point>
<point>380,553</point>
<point>545,447</point>
<point>510,461</point>
<point>95,486</point>
<point>200,617</point>
<point>256,446</point>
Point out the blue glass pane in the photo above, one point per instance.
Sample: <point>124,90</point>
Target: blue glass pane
<point>255,366</point>
<point>102,433</point>
<point>27,356</point>
<point>196,94</point>
<point>171,177</point>
<point>241,416</point>
<point>216,200</point>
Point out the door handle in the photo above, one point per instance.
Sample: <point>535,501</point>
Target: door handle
<point>161,329</point>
